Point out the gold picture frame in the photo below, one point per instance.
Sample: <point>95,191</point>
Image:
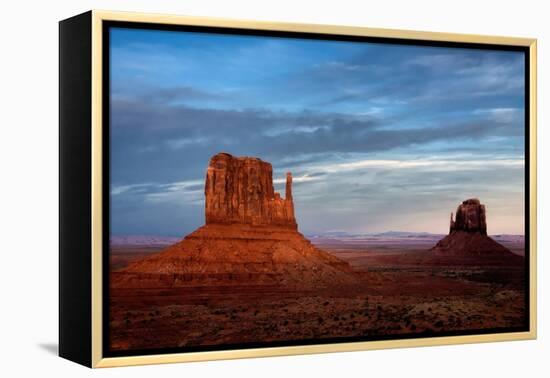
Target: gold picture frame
<point>91,329</point>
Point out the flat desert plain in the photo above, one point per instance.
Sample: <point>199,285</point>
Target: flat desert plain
<point>402,289</point>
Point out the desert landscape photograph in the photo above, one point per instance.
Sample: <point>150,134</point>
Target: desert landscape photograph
<point>271,190</point>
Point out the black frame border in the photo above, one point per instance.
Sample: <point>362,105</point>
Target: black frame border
<point>75,182</point>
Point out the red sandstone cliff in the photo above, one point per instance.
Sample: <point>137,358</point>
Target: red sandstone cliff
<point>250,237</point>
<point>240,190</point>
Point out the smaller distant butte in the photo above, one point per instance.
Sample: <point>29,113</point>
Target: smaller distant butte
<point>468,234</point>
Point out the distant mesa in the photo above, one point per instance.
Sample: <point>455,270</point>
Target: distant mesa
<point>468,234</point>
<point>141,240</point>
<point>250,237</point>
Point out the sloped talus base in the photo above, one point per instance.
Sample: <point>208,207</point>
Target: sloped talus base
<point>240,255</point>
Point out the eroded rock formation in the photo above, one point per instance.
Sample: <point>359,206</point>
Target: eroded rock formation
<point>250,238</point>
<point>240,190</point>
<point>470,217</point>
<point>468,234</point>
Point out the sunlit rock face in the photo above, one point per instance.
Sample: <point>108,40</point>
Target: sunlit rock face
<point>239,190</point>
<point>250,238</point>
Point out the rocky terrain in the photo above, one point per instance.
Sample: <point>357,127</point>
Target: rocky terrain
<point>249,277</point>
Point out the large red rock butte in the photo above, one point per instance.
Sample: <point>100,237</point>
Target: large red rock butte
<point>468,234</point>
<point>239,190</point>
<point>250,237</point>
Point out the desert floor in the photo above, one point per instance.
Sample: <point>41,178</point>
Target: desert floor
<point>402,292</point>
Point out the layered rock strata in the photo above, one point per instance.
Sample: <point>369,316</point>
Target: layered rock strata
<point>250,238</point>
<point>239,190</point>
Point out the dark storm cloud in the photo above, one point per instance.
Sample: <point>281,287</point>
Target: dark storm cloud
<point>173,142</point>
<point>284,134</point>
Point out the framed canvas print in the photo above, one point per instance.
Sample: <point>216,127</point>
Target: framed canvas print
<point>235,189</point>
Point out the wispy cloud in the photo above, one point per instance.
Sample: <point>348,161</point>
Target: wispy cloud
<point>433,165</point>
<point>133,188</point>
<point>177,193</point>
<point>298,179</point>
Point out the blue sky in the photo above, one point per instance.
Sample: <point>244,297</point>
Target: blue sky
<point>378,137</point>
